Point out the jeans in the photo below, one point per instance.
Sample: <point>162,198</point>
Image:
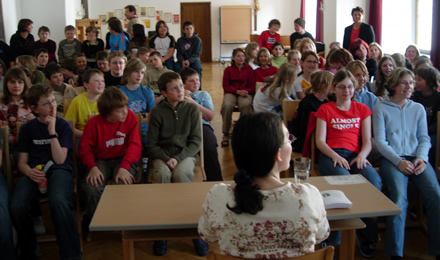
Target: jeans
<point>212,165</point>
<point>59,189</point>
<point>325,167</point>
<point>196,65</point>
<point>6,243</point>
<point>397,184</point>
<point>169,63</point>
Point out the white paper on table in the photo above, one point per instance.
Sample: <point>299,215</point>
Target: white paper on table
<point>344,179</point>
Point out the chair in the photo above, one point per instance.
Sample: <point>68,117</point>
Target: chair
<point>80,89</point>
<point>289,112</point>
<point>321,254</point>
<point>66,104</point>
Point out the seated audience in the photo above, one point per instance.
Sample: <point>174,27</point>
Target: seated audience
<point>26,61</point>
<point>360,49</point>
<point>69,68</point>
<point>308,45</point>
<point>339,59</point>
<point>278,57</point>
<point>92,45</point>
<point>164,43</point>
<point>309,63</point>
<point>41,59</point>
<point>412,52</point>
<point>137,41</point>
<point>117,62</point>
<point>241,215</point>
<point>422,61</point>
<point>385,67</point>
<point>102,61</point>
<point>265,71</point>
<point>189,49</point>
<point>251,52</point>
<point>269,98</point>
<point>343,135</point>
<point>70,46</point>
<point>238,87</point>
<point>152,75</point>
<point>375,51</point>
<point>294,58</point>
<point>271,36</point>
<point>404,158</point>
<point>362,94</point>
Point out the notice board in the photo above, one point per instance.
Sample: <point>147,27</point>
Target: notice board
<point>235,23</point>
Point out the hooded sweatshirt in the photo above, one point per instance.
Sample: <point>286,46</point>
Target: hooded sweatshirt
<point>401,131</point>
<point>189,48</point>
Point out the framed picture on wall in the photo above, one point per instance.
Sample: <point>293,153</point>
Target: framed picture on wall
<point>151,12</point>
<point>119,13</point>
<point>168,17</point>
<point>103,18</point>
<point>110,14</point>
<point>176,18</point>
<point>159,15</point>
<point>143,12</point>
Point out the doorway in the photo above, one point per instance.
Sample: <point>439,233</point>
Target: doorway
<point>200,15</point>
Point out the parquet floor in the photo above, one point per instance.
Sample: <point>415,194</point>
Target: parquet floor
<point>108,246</point>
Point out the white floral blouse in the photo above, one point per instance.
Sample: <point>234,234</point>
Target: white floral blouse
<point>292,221</point>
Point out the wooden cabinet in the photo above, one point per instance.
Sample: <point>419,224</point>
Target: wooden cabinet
<point>81,26</point>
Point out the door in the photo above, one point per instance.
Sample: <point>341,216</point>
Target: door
<point>200,15</point>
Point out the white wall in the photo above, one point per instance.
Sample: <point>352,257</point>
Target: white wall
<point>56,14</point>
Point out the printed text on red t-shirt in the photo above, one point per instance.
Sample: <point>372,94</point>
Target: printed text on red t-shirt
<point>345,123</point>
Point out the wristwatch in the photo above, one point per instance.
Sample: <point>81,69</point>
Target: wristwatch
<point>53,136</point>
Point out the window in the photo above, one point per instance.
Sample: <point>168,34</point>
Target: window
<point>424,25</point>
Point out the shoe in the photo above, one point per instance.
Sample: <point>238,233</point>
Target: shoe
<point>160,247</point>
<point>39,227</point>
<point>225,141</point>
<point>201,246</point>
<point>367,248</point>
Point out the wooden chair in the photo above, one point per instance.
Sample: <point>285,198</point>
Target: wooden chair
<point>66,104</point>
<point>80,89</point>
<point>289,111</point>
<point>321,254</point>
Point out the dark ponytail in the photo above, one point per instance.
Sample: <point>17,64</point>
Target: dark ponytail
<point>256,140</point>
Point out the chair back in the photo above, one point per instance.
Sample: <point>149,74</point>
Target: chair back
<point>80,89</point>
<point>66,104</point>
<point>321,254</point>
<point>289,110</point>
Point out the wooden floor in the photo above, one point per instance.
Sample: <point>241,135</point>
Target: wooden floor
<point>108,246</point>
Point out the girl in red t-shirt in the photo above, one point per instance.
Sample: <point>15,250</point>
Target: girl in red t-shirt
<point>343,135</point>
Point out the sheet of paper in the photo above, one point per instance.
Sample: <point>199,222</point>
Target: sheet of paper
<point>344,179</point>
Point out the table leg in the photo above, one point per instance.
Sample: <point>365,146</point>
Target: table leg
<point>348,243</point>
<point>127,248</point>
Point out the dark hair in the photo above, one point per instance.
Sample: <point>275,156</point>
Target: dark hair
<point>166,78</point>
<point>115,25</point>
<point>36,92</point>
<point>187,72</point>
<point>111,99</point>
<point>68,64</point>
<point>341,55</point>
<point>394,79</point>
<point>235,51</point>
<point>43,29</point>
<point>17,74</point>
<point>89,73</point>
<point>131,8</point>
<point>187,23</point>
<point>143,50</point>
<point>40,50</point>
<point>357,9</point>
<point>274,21</point>
<point>3,66</point>
<point>430,75</point>
<point>422,60</point>
<point>139,34</point>
<point>381,81</point>
<point>101,55</point>
<point>356,44</point>
<point>53,68</point>
<point>155,53</point>
<point>300,22</point>
<point>159,23</point>
<point>255,156</point>
<point>23,23</point>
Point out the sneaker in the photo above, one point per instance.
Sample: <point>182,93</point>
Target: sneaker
<point>367,248</point>
<point>201,246</point>
<point>160,247</point>
<point>39,227</point>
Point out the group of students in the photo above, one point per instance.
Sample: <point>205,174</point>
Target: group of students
<point>398,111</point>
<point>105,127</point>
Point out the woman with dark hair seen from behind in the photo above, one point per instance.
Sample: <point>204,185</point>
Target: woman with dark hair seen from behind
<point>22,42</point>
<point>360,50</point>
<point>401,136</point>
<point>240,216</point>
<point>340,58</point>
<point>358,29</point>
<point>138,40</point>
<point>378,87</point>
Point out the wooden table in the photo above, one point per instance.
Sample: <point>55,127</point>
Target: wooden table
<point>169,211</point>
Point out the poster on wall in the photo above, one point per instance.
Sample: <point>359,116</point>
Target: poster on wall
<point>103,18</point>
<point>159,15</point>
<point>110,14</point>
<point>151,12</point>
<point>119,13</point>
<point>147,23</point>
<point>168,17</point>
<point>143,12</point>
<point>176,18</point>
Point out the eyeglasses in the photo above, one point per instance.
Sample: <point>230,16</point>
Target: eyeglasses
<point>345,87</point>
<point>290,138</point>
<point>49,103</point>
<point>406,83</point>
